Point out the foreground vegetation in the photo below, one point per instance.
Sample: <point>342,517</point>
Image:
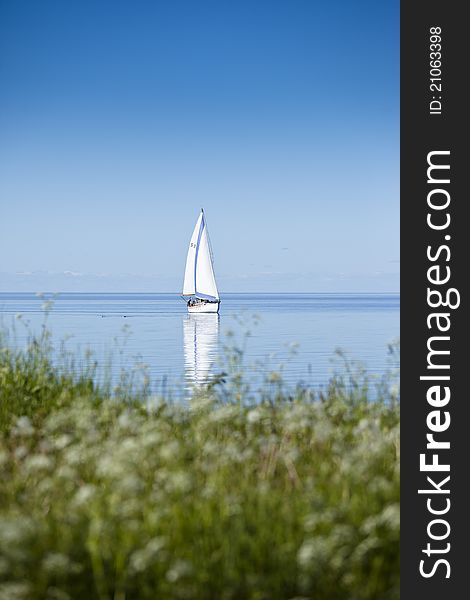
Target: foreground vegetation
<point>121,496</point>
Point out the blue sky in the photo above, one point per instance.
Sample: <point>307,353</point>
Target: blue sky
<point>120,119</point>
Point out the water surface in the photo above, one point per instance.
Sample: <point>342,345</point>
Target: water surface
<point>298,333</point>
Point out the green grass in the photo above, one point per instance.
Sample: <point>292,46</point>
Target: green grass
<point>122,496</point>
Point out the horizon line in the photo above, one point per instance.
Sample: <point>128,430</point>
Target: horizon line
<point>179,294</point>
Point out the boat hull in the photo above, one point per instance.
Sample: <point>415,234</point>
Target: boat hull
<point>204,307</point>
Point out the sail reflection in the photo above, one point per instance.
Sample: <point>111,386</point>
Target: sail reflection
<point>201,336</point>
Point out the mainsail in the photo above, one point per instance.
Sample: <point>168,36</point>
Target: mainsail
<point>199,279</point>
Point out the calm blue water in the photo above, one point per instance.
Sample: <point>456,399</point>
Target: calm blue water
<point>299,332</point>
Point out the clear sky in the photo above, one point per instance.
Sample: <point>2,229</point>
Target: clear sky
<point>120,119</point>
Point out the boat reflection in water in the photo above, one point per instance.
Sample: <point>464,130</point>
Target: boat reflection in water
<point>201,346</point>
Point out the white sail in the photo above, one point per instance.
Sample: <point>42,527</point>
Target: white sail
<point>189,285</point>
<point>205,279</point>
<point>199,278</point>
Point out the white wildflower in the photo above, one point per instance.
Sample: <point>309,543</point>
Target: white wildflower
<point>169,451</point>
<point>254,416</point>
<point>56,563</point>
<point>23,427</point>
<point>84,495</point>
<point>141,559</point>
<point>62,441</point>
<point>38,462</point>
<point>179,569</point>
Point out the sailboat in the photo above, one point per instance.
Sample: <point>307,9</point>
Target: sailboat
<point>199,287</point>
